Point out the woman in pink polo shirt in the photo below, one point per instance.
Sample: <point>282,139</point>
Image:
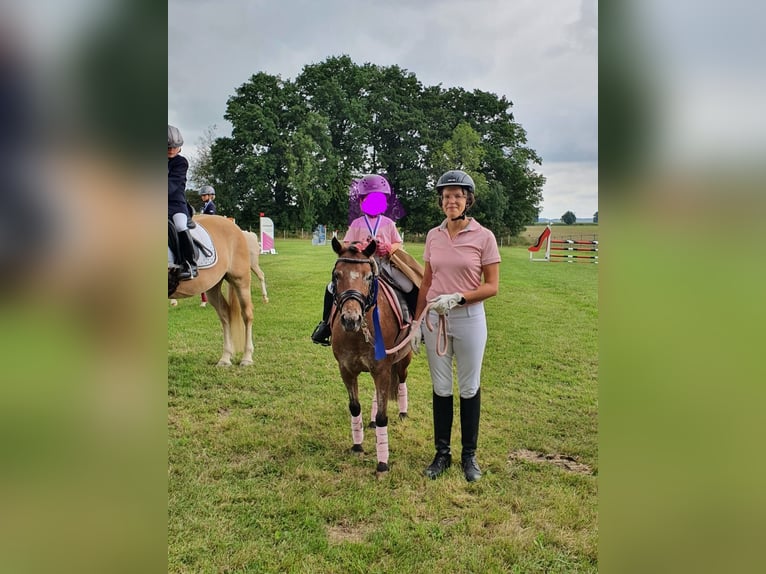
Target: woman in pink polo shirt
<point>462,269</point>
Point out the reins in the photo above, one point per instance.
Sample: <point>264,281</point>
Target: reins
<point>441,334</point>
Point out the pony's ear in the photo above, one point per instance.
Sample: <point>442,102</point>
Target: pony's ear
<point>336,246</point>
<point>370,249</point>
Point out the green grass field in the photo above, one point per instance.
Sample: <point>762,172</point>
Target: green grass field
<point>260,478</point>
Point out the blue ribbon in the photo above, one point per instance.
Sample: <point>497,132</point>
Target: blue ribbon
<point>380,347</point>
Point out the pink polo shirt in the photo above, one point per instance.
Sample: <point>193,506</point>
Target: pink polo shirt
<point>364,228</point>
<point>456,263</point>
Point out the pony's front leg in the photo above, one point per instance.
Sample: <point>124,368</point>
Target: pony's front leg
<point>228,346</point>
<point>246,309</point>
<point>355,408</point>
<point>381,426</point>
<point>221,307</point>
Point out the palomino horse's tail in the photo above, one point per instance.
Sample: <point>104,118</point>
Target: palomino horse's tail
<point>254,247</point>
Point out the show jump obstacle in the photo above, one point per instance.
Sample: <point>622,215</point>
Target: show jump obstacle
<point>552,245</point>
<point>267,235</point>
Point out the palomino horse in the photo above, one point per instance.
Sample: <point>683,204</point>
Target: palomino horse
<point>233,265</point>
<point>358,308</point>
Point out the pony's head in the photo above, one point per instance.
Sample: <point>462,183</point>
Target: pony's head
<point>355,281</point>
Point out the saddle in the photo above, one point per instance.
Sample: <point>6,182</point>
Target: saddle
<point>402,274</point>
<point>408,265</point>
<point>397,300</point>
<point>205,254</point>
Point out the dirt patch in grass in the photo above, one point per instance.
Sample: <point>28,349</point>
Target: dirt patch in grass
<point>338,533</point>
<point>560,460</point>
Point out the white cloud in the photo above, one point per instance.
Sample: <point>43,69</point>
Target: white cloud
<point>541,55</point>
<point>570,186</point>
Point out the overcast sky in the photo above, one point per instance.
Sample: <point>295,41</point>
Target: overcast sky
<point>542,56</point>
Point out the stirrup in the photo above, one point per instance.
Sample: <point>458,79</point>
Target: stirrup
<point>321,334</point>
<point>189,272</point>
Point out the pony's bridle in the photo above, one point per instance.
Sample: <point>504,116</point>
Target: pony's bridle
<point>366,302</point>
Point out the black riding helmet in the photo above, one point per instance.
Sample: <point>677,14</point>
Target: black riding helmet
<point>456,177</point>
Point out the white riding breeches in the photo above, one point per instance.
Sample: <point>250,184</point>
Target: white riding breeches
<point>180,220</point>
<point>466,340</point>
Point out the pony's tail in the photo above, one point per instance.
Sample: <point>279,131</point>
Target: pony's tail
<point>254,247</point>
<point>236,323</point>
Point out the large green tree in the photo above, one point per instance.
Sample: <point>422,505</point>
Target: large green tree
<point>296,146</point>
<point>308,155</point>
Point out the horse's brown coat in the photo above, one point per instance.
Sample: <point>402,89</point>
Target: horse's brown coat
<point>352,350</point>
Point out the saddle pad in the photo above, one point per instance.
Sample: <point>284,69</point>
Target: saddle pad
<point>200,235</point>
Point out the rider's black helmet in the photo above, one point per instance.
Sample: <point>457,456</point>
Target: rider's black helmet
<point>458,178</point>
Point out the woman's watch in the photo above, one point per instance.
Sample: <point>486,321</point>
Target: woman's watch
<point>462,300</point>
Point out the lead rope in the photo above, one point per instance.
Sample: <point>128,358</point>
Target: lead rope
<point>441,334</point>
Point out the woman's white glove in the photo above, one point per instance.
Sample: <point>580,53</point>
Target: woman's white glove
<point>444,303</point>
<point>417,334</point>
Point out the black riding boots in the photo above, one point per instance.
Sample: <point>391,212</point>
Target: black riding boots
<point>470,410</point>
<point>188,262</point>
<point>442,407</point>
<point>321,334</point>
<point>469,429</point>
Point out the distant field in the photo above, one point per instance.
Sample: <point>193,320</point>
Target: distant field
<point>259,474</point>
<point>579,232</point>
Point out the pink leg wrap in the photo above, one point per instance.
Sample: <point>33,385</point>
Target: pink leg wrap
<point>374,410</point>
<point>402,397</point>
<point>357,429</point>
<point>381,443</point>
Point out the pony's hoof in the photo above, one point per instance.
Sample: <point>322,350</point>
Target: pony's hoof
<point>402,416</point>
<point>381,470</point>
<point>223,364</point>
<point>371,425</point>
<point>246,363</point>
<point>357,449</point>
